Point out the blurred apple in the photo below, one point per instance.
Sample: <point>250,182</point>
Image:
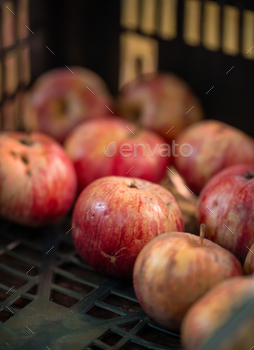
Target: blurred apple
<point>37,179</point>
<point>226,207</point>
<point>160,102</point>
<point>112,146</point>
<point>114,217</point>
<point>60,100</point>
<point>174,270</point>
<point>215,146</point>
<point>248,267</point>
<point>213,310</point>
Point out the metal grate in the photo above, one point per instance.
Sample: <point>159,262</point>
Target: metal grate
<point>51,299</point>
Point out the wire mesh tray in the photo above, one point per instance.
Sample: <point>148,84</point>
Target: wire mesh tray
<point>50,299</point>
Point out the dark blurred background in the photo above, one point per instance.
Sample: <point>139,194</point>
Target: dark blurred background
<point>204,42</point>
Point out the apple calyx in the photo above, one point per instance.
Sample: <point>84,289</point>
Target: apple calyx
<point>133,186</point>
<point>202,232</point>
<point>249,175</point>
<point>61,107</point>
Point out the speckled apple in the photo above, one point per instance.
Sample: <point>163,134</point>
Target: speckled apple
<point>114,217</point>
<point>61,99</point>
<point>88,144</point>
<point>160,102</point>
<point>213,310</point>
<point>216,146</point>
<point>38,182</point>
<point>174,270</point>
<point>226,207</point>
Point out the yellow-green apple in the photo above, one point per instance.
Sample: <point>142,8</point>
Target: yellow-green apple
<point>114,217</point>
<point>160,102</point>
<point>248,266</point>
<point>226,206</point>
<point>216,146</point>
<point>112,146</point>
<point>174,270</point>
<point>37,179</point>
<point>60,100</point>
<point>213,310</point>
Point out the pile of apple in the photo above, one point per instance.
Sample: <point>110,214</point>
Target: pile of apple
<point>125,224</point>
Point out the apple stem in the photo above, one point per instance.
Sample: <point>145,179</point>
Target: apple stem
<point>202,232</point>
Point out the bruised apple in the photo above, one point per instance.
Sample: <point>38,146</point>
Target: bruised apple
<point>111,146</point>
<point>174,270</point>
<point>213,310</point>
<point>114,217</point>
<point>60,100</point>
<point>37,179</point>
<point>160,102</point>
<point>215,146</point>
<point>226,207</point>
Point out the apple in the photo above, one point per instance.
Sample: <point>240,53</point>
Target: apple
<point>216,146</point>
<point>226,206</point>
<point>213,310</point>
<point>112,146</point>
<point>114,217</point>
<point>37,179</point>
<point>174,270</point>
<point>248,266</point>
<point>60,100</point>
<point>160,102</point>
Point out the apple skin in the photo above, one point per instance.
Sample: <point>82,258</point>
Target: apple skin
<point>86,143</point>
<point>174,270</point>
<point>213,310</point>
<point>114,217</point>
<point>37,179</point>
<point>61,100</point>
<point>216,146</point>
<point>230,196</point>
<point>248,266</point>
<point>161,102</point>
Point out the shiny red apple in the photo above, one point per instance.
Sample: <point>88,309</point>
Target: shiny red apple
<point>114,217</point>
<point>160,102</point>
<point>216,146</point>
<point>226,206</point>
<point>112,146</point>
<point>174,270</point>
<point>37,179</point>
<point>61,99</point>
<point>213,310</point>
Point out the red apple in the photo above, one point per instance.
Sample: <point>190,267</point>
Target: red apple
<point>213,310</point>
<point>226,206</point>
<point>37,179</point>
<point>248,267</point>
<point>215,146</point>
<point>60,100</point>
<point>112,146</point>
<point>174,270</point>
<point>114,218</point>
<point>160,102</point>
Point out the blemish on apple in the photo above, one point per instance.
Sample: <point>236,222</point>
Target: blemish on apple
<point>24,159</point>
<point>14,154</point>
<point>26,142</point>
